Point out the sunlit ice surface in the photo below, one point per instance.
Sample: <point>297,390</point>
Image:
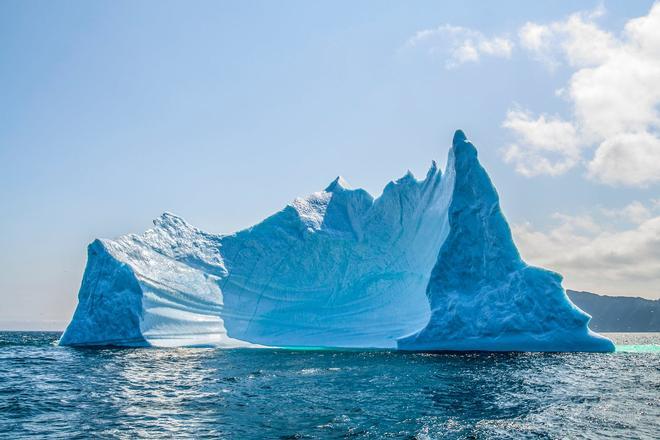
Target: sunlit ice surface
<point>429,265</point>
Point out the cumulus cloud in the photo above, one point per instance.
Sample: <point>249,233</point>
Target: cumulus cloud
<point>534,36</point>
<point>460,44</point>
<point>614,91</point>
<point>551,144</point>
<point>596,256</point>
<point>635,212</point>
<point>537,39</point>
<point>631,159</point>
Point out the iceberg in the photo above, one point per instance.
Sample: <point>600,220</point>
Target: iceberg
<point>483,297</point>
<point>429,265</point>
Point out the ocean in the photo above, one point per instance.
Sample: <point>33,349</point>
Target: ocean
<point>47,391</point>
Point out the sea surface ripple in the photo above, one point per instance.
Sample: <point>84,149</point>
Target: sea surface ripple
<point>47,391</point>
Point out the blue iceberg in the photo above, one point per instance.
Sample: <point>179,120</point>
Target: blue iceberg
<point>483,297</point>
<point>429,265</point>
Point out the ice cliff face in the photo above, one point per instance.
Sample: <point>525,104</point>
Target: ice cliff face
<point>160,288</point>
<point>428,265</point>
<point>482,295</point>
<point>337,268</point>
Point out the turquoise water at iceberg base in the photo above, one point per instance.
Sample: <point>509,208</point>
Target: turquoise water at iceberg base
<point>48,391</point>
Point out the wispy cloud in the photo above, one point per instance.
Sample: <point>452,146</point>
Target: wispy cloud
<point>635,212</point>
<point>545,144</point>
<point>460,45</point>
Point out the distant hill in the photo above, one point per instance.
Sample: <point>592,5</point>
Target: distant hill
<point>618,313</point>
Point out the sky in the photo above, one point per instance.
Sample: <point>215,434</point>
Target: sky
<point>112,112</point>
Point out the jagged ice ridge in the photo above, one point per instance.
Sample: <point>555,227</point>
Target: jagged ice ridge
<point>428,265</point>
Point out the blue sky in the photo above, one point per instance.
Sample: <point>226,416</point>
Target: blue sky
<point>113,112</point>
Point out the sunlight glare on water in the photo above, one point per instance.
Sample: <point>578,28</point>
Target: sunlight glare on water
<point>48,391</point>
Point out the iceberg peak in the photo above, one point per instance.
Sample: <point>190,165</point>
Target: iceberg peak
<point>432,172</point>
<point>339,184</point>
<point>408,177</point>
<point>459,136</point>
<point>464,151</point>
<point>167,219</point>
<point>483,296</point>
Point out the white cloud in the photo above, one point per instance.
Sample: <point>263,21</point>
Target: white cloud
<point>460,44</point>
<point>552,146</point>
<point>537,38</point>
<point>636,212</point>
<point>465,52</point>
<point>534,36</point>
<point>631,159</point>
<point>496,46</point>
<point>583,42</point>
<point>599,258</point>
<point>615,95</point>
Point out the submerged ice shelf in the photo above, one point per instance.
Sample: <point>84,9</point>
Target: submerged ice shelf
<point>428,265</point>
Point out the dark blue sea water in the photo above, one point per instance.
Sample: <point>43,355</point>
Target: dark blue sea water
<point>48,391</point>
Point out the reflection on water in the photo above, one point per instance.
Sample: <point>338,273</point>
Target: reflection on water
<point>56,392</point>
<point>156,391</point>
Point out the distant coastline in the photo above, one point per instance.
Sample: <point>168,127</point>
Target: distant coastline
<point>618,313</point>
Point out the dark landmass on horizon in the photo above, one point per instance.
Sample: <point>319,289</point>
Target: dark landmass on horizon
<point>618,313</point>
